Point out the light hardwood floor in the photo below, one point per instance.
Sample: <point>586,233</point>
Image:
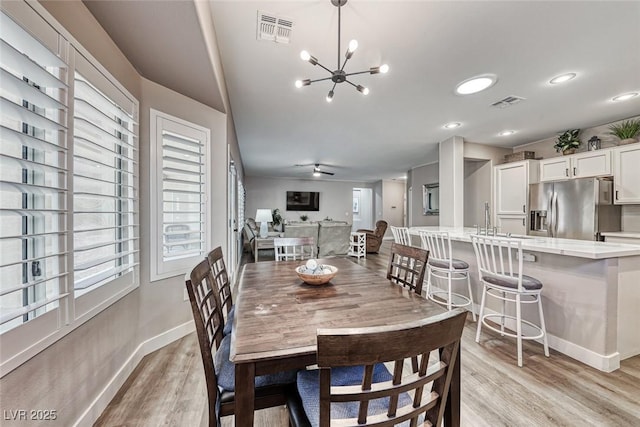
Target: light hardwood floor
<point>168,388</point>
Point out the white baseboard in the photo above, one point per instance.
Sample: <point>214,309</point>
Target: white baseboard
<point>91,414</point>
<point>602,362</point>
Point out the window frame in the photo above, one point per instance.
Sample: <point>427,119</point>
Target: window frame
<point>158,123</point>
<point>24,341</point>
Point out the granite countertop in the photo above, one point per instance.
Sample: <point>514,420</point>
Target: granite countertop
<point>568,247</point>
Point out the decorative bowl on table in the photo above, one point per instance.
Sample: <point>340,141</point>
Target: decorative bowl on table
<point>313,273</point>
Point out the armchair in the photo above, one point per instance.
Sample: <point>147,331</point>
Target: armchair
<point>374,237</point>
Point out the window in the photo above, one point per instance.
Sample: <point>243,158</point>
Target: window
<point>179,182</point>
<point>33,178</point>
<point>68,186</point>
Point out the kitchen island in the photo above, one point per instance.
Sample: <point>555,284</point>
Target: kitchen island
<point>591,293</point>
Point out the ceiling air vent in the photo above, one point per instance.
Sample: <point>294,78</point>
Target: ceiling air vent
<point>274,28</point>
<point>507,102</point>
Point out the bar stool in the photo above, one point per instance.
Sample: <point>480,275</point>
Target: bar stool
<point>443,266</point>
<point>495,257</point>
<point>401,235</point>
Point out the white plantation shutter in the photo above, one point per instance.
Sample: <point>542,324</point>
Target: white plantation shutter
<point>104,174</point>
<point>180,218</point>
<point>182,196</point>
<point>33,176</point>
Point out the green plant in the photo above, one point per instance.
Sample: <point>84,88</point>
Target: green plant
<point>277,218</point>
<point>625,130</point>
<point>567,140</point>
<point>304,217</point>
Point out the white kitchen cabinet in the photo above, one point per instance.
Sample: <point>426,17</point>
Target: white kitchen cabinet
<point>626,174</point>
<point>554,169</point>
<point>591,163</point>
<point>514,224</point>
<point>511,185</point>
<point>511,193</point>
<point>582,165</point>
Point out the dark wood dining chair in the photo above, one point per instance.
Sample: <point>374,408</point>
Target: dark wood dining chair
<point>353,386</point>
<point>223,286</point>
<point>407,266</point>
<point>294,248</point>
<point>271,390</point>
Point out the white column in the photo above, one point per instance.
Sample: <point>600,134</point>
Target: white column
<point>451,172</point>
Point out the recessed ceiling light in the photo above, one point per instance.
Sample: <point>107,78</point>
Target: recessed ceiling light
<point>507,132</point>
<point>625,96</point>
<point>562,78</point>
<point>476,84</point>
<point>451,125</point>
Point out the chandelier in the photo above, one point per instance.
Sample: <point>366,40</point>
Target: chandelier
<point>339,75</point>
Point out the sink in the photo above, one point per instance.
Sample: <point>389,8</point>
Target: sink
<point>514,236</point>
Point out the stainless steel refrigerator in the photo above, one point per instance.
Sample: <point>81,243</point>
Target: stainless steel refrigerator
<point>573,209</point>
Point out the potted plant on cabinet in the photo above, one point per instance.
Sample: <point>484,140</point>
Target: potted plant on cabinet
<point>626,131</point>
<point>567,141</point>
<point>304,217</point>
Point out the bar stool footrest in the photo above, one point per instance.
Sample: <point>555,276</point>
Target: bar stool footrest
<point>466,300</point>
<point>509,334</point>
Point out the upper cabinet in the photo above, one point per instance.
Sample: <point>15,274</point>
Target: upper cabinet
<point>512,186</point>
<point>626,179</point>
<point>583,165</point>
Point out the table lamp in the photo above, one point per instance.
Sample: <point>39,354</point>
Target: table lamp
<point>263,216</point>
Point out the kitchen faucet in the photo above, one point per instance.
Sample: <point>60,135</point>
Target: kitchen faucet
<point>487,222</point>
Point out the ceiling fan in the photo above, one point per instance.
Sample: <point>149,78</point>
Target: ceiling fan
<point>317,171</point>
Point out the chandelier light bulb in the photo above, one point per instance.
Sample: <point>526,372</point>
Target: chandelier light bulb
<point>330,96</point>
<point>363,90</point>
<point>339,74</point>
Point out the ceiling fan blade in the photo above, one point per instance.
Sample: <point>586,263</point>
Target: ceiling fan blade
<point>327,173</point>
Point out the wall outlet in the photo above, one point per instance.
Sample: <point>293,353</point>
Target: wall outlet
<point>185,295</point>
<point>527,257</point>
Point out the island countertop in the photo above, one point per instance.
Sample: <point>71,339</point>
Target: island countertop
<point>568,247</point>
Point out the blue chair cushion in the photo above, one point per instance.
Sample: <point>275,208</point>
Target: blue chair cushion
<point>226,370</point>
<point>528,282</point>
<point>309,390</point>
<point>458,264</point>
<point>229,325</point>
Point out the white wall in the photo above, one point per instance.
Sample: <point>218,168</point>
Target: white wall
<point>393,193</point>
<point>419,176</point>
<point>336,197</point>
<point>477,190</point>
<point>451,181</point>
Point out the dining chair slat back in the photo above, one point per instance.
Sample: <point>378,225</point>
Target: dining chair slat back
<point>380,344</point>
<point>221,279</point>
<point>407,266</point>
<point>208,320</point>
<point>294,248</point>
<point>401,235</point>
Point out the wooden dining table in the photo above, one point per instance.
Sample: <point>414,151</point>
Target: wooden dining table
<point>277,316</point>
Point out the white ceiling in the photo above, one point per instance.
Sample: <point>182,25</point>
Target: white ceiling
<point>430,47</point>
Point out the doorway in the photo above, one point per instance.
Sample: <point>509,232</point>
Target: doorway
<point>232,215</point>
<point>362,208</point>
